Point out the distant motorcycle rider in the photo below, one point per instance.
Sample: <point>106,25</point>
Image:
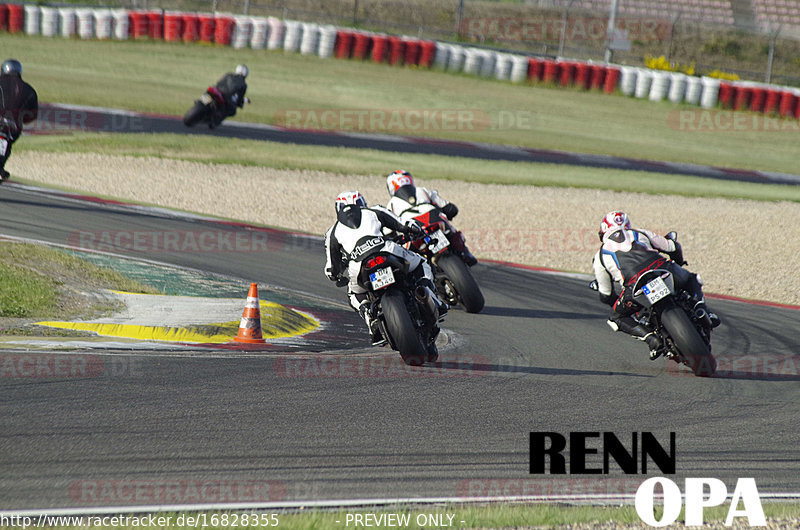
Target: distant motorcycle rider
<point>405,197</point>
<point>232,86</point>
<point>624,255</point>
<point>19,105</point>
<point>357,225</point>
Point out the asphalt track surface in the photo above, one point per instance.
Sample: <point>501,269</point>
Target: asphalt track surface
<point>356,424</point>
<point>53,118</point>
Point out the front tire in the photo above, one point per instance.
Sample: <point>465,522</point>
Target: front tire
<point>195,114</point>
<point>689,342</point>
<point>404,335</point>
<point>469,293</point>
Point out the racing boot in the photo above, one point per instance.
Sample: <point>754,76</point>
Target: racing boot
<point>468,258</point>
<point>4,175</point>
<point>365,310</point>
<point>631,327</point>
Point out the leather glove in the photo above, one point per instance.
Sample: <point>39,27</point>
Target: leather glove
<point>450,210</point>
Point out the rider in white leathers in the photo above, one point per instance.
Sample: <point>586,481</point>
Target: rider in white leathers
<point>405,198</point>
<point>625,254</point>
<point>359,229</point>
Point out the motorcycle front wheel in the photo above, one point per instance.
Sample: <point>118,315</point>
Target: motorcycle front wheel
<point>195,114</point>
<point>689,342</point>
<point>469,293</point>
<point>404,335</point>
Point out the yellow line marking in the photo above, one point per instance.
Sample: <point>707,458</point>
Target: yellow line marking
<point>277,321</point>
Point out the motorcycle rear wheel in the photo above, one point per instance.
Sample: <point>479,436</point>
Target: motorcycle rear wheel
<point>195,114</point>
<point>689,342</point>
<point>404,335</point>
<point>469,293</point>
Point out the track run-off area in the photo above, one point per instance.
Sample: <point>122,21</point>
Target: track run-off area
<point>337,420</point>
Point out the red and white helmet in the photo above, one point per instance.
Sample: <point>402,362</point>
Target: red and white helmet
<point>614,221</point>
<point>400,179</point>
<point>350,197</point>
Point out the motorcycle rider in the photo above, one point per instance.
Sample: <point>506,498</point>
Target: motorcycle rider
<point>232,86</point>
<point>405,196</point>
<point>19,105</point>
<point>356,225</point>
<point>624,255</point>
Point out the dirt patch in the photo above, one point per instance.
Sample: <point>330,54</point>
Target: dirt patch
<point>741,248</point>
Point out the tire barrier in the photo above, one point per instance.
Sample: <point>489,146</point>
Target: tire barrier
<point>328,41</point>
<point>85,19</point>
<point>3,17</point>
<point>277,33</point>
<point>191,28</point>
<point>49,21</point>
<point>32,19</point>
<point>309,40</point>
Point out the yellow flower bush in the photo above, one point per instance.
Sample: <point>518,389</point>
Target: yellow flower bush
<point>661,63</point>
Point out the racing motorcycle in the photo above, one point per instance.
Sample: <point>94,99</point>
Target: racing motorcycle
<point>207,108</point>
<point>7,131</point>
<point>670,313</point>
<point>406,313</point>
<point>454,281</point>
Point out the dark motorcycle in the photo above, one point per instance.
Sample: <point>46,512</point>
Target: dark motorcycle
<point>454,281</point>
<point>406,313</point>
<point>206,109</point>
<point>8,133</point>
<point>670,313</point>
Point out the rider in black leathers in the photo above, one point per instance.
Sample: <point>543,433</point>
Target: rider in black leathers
<point>19,105</point>
<point>232,86</point>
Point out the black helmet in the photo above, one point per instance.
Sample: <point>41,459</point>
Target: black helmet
<point>12,67</point>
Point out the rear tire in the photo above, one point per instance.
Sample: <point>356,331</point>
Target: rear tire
<point>469,293</point>
<point>195,114</point>
<point>689,342</point>
<point>404,335</point>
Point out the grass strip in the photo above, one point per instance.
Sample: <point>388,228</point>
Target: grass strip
<point>166,77</point>
<point>39,282</point>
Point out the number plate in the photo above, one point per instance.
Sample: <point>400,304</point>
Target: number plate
<point>206,99</point>
<point>381,278</point>
<point>441,242</point>
<point>3,145</point>
<point>655,290</point>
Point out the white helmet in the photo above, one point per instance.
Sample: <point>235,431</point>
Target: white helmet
<point>350,197</point>
<point>242,70</point>
<point>400,183</point>
<point>614,221</point>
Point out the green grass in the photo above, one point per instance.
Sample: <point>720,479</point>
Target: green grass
<point>372,162</point>
<point>34,277</point>
<point>166,78</point>
<point>473,516</point>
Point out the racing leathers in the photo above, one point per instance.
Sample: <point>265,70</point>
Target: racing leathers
<point>407,208</point>
<point>232,87</point>
<point>19,105</point>
<point>346,242</point>
<point>624,255</point>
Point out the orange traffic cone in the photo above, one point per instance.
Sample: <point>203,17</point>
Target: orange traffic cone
<point>250,325</point>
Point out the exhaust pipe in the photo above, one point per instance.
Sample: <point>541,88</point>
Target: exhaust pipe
<point>426,304</point>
